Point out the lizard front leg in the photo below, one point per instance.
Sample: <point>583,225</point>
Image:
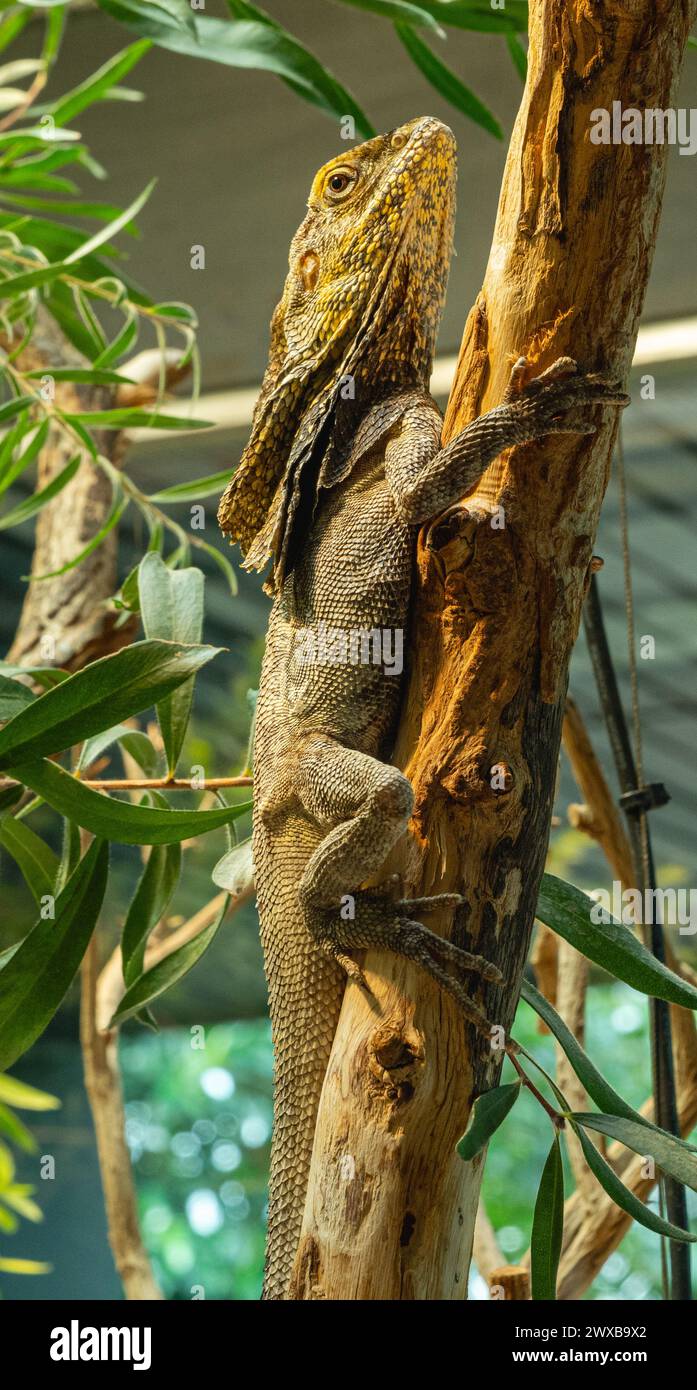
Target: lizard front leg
<point>425,482</point>
<point>366,805</point>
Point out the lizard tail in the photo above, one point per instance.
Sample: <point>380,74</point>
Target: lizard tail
<point>305,992</point>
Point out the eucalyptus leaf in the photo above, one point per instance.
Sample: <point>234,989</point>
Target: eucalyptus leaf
<point>36,859</point>
<point>148,905</point>
<point>108,690</point>
<point>488,1112</point>
<point>168,971</point>
<point>548,1227</point>
<point>33,504</point>
<point>193,491</point>
<point>447,83</point>
<point>13,697</point>
<point>623,1196</point>
<point>37,977</point>
<point>171,606</point>
<point>567,911</point>
<point>249,43</point>
<point>119,820</point>
<point>669,1153</point>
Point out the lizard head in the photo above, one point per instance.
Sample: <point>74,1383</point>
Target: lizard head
<point>367,274</point>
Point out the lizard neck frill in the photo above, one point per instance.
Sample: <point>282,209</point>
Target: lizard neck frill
<point>359,316</point>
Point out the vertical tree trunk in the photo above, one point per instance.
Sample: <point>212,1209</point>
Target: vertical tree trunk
<point>390,1208</point>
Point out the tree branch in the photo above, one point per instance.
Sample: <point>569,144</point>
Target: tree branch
<point>390,1207</point>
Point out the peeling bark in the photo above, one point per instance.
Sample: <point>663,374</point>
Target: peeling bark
<point>390,1208</point>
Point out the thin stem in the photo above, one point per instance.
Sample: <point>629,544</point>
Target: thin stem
<point>168,784</point>
<point>557,1119</point>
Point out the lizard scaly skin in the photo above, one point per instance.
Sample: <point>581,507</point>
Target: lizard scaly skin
<point>343,465</point>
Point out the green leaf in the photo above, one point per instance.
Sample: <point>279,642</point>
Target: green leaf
<point>152,897</point>
<point>24,1097</point>
<point>222,562</point>
<point>12,26</point>
<point>568,912</point>
<point>137,744</point>
<point>39,974</point>
<point>446,83</point>
<point>46,676</point>
<point>171,606</point>
<point>116,511</point>
<point>135,417</point>
<point>31,505</point>
<point>671,1155</point>
<point>623,1196</point>
<point>599,1090</point>
<point>36,860</point>
<point>122,343</point>
<point>13,698</point>
<point>488,1112</point>
<point>99,85</point>
<point>548,1227</point>
<point>15,462</point>
<point>141,750</point>
<point>518,55</point>
<point>168,971</point>
<point>17,1198</point>
<point>19,403</point>
<point>193,491</point>
<point>119,820</point>
<point>400,11</point>
<point>16,1130</point>
<point>111,228</point>
<point>12,1265</point>
<point>255,44</point>
<point>90,376</point>
<point>111,689</point>
<point>478,15</point>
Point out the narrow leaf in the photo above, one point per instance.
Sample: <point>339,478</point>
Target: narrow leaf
<point>13,697</point>
<point>36,860</point>
<point>119,820</point>
<point>669,1153</point>
<point>108,690</point>
<point>610,944</point>
<point>31,505</point>
<point>488,1112</point>
<point>171,606</point>
<point>168,971</point>
<point>25,1097</point>
<point>446,83</point>
<point>623,1196</point>
<point>194,491</point>
<point>37,977</point>
<point>548,1227</point>
<point>149,904</point>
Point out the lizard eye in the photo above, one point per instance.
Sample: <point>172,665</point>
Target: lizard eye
<point>339,184</point>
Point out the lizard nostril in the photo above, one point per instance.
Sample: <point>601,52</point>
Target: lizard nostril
<point>399,140</point>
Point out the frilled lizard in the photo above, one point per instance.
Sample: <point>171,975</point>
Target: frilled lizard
<point>343,465</point>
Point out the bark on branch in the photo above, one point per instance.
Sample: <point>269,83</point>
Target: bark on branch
<point>390,1208</point>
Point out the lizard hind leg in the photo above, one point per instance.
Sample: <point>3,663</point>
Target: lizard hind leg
<point>366,805</point>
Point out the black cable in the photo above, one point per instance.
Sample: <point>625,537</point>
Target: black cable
<point>661,1032</point>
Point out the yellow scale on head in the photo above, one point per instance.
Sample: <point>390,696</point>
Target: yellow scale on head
<point>366,208</point>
